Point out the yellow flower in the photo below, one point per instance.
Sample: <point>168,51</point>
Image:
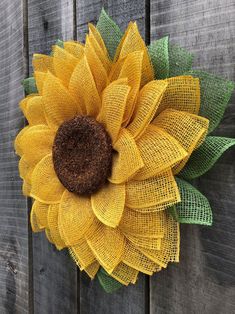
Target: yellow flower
<point>99,155</point>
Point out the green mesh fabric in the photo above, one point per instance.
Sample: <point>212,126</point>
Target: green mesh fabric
<point>194,207</point>
<point>110,32</point>
<point>215,95</point>
<point>29,85</point>
<point>180,60</point>
<point>108,283</point>
<point>206,156</point>
<point>158,52</point>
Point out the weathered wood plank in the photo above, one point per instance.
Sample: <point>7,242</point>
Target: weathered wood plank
<point>14,273</point>
<point>92,297</point>
<point>204,280</point>
<point>55,274</point>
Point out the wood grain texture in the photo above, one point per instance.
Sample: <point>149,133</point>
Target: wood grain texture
<point>93,299</point>
<point>14,274</point>
<point>55,274</point>
<point>204,280</point>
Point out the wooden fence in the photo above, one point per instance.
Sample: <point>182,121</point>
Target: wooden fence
<point>34,277</point>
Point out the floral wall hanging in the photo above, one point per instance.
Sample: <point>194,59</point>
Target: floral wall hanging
<point>116,131</point>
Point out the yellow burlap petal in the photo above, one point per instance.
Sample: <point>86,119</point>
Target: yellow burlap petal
<point>149,225</point>
<point>74,48</point>
<point>59,105</point>
<point>34,112</point>
<point>107,244</point>
<point>188,129</point>
<point>82,254</point>
<point>116,70</point>
<point>23,103</point>
<point>64,64</point>
<point>182,93</point>
<point>98,70</point>
<point>34,223</point>
<point>132,41</point>
<point>114,102</point>
<point>147,103</point>
<point>134,258</point>
<point>159,152</point>
<point>52,218</point>
<point>108,204</point>
<point>18,139</point>
<point>40,78</point>
<point>83,88</point>
<point>170,245</point>
<point>124,274</point>
<point>41,212</point>
<point>43,63</point>
<point>26,188</point>
<point>156,190</point>
<point>46,187</point>
<point>92,269</point>
<point>101,52</point>
<point>36,143</point>
<point>25,169</point>
<point>75,217</point>
<point>145,242</point>
<point>95,33</point>
<point>132,70</point>
<point>126,158</point>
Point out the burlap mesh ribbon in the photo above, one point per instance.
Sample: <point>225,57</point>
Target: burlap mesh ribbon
<point>158,113</point>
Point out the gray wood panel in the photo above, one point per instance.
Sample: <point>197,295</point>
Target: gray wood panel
<point>203,281</point>
<point>93,299</point>
<point>14,272</point>
<point>55,274</point>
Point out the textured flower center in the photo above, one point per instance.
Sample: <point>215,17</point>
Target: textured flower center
<point>82,155</point>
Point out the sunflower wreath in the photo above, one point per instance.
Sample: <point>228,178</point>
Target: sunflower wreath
<point>115,132</point>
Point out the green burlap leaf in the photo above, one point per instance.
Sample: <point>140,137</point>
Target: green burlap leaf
<point>29,85</point>
<point>158,52</point>
<point>110,33</point>
<point>180,60</point>
<point>215,95</point>
<point>108,283</point>
<point>194,207</point>
<point>203,158</point>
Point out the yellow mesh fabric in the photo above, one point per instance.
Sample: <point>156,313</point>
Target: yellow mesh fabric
<point>182,93</point>
<point>146,106</point>
<point>82,254</point>
<point>40,139</point>
<point>114,102</point>
<point>143,224</point>
<point>41,213</point>
<point>59,105</point>
<point>25,170</point>
<point>34,112</point>
<point>95,33</point>
<point>46,187</point>
<point>34,223</point>
<point>152,191</point>
<point>75,217</point>
<point>126,158</point>
<point>145,242</point>
<point>98,70</point>
<point>17,143</point>
<point>64,64</point>
<point>134,258</point>
<point>125,274</point>
<point>74,48</point>
<point>108,204</point>
<point>40,80</point>
<point>169,251</point>
<point>131,42</point>
<point>188,129</point>
<point>159,151</point>
<point>92,269</point>
<point>82,87</point>
<point>131,69</point>
<point>52,219</point>
<point>107,244</point>
<point>43,63</point>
